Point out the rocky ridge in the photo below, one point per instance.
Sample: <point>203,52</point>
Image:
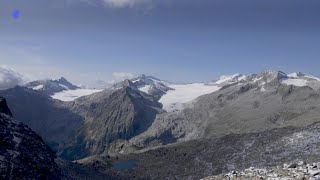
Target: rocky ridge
<point>50,87</point>
<point>23,154</point>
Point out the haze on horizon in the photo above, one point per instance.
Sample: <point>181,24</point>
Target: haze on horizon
<point>178,40</point>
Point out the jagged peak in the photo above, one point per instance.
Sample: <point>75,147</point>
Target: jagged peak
<point>229,76</point>
<point>128,83</point>
<point>227,79</point>
<point>144,77</point>
<point>4,107</point>
<point>274,72</point>
<point>296,74</point>
<point>62,79</point>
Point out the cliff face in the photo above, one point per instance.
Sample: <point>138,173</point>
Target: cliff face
<point>23,154</point>
<point>4,107</point>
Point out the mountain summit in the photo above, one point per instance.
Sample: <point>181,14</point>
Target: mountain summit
<point>50,87</point>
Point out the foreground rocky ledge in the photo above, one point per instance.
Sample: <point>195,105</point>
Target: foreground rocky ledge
<point>300,170</point>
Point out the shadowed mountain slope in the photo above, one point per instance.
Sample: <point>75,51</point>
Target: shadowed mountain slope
<point>23,154</point>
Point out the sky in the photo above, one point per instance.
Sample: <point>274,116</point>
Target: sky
<point>92,42</point>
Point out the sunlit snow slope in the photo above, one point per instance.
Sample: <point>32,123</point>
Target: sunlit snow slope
<point>174,99</point>
<point>70,95</point>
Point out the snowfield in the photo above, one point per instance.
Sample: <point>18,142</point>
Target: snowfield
<point>295,82</point>
<point>174,99</point>
<point>70,95</point>
<point>145,88</point>
<point>38,87</point>
<point>230,78</point>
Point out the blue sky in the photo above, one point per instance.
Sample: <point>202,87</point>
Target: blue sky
<point>177,40</point>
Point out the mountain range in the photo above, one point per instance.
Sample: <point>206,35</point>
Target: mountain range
<point>147,128</point>
<point>51,87</point>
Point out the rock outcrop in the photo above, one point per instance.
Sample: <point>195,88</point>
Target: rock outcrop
<point>23,154</point>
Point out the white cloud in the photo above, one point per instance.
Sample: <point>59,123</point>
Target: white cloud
<point>112,3</point>
<point>26,73</point>
<point>9,78</point>
<point>123,3</point>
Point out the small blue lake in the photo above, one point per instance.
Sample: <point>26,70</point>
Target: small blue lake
<point>124,165</point>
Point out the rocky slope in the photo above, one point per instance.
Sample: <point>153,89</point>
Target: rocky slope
<point>258,103</point>
<point>119,115</point>
<point>45,116</point>
<point>197,159</point>
<point>94,121</point>
<point>259,120</point>
<point>296,170</point>
<point>23,154</point>
<point>126,119</point>
<point>150,85</point>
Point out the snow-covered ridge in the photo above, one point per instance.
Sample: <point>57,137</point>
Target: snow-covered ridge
<point>173,96</point>
<point>147,83</point>
<point>299,79</point>
<point>228,79</point>
<point>179,94</point>
<point>51,86</point>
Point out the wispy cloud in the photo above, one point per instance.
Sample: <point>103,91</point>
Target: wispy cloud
<point>12,75</point>
<point>113,3</point>
<point>124,3</point>
<point>9,78</point>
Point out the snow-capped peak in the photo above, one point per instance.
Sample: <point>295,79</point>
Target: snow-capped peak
<point>151,85</point>
<point>303,75</point>
<point>51,86</point>
<point>229,79</point>
<point>302,79</point>
<point>296,75</point>
<point>148,80</point>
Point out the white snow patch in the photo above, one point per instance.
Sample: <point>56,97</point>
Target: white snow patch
<point>145,88</point>
<point>70,95</point>
<point>295,82</point>
<point>257,79</point>
<point>293,75</point>
<point>312,77</point>
<point>38,87</point>
<point>64,86</point>
<point>243,77</point>
<point>174,99</point>
<point>226,78</point>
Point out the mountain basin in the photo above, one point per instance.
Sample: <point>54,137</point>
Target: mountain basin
<point>125,165</point>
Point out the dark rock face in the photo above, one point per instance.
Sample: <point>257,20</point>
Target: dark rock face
<point>4,107</point>
<point>23,154</point>
<point>42,114</point>
<point>88,125</point>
